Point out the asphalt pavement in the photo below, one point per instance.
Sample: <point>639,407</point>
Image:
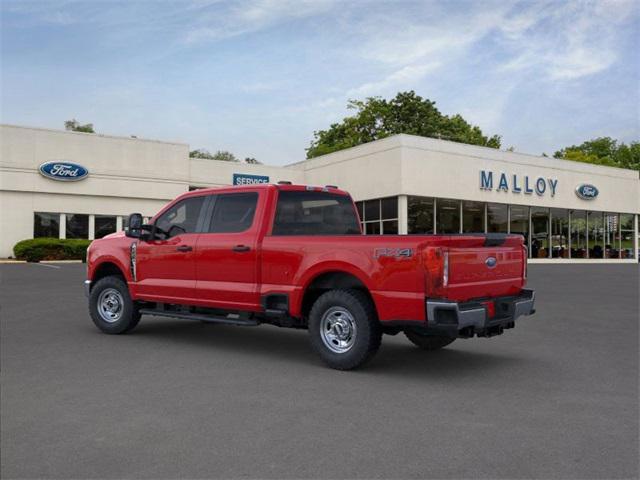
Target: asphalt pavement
<point>556,397</point>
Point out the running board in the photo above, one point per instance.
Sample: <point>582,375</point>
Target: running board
<point>200,317</point>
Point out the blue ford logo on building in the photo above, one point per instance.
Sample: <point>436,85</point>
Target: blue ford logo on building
<point>491,262</point>
<point>586,191</point>
<point>63,171</point>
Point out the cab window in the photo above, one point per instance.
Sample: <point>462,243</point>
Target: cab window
<point>233,212</point>
<point>315,213</point>
<point>181,218</point>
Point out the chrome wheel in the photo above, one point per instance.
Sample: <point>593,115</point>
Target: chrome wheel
<point>110,305</point>
<point>338,329</point>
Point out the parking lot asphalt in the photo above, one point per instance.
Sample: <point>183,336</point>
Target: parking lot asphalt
<point>557,397</point>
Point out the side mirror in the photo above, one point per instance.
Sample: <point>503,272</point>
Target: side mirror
<point>135,225</point>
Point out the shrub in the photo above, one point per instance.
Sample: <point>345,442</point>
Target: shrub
<point>36,249</point>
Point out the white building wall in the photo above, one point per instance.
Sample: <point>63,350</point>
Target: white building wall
<point>128,174</point>
<point>125,175</point>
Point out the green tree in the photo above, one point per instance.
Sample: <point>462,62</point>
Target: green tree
<point>603,151</point>
<point>219,155</point>
<point>74,126</point>
<point>377,118</point>
<point>252,161</point>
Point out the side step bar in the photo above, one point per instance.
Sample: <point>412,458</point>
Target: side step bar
<point>200,317</point>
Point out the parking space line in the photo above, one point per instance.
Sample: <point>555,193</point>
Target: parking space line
<point>46,265</point>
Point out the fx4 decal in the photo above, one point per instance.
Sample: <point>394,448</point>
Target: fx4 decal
<point>393,252</point>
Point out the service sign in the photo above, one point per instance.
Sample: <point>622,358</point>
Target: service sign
<point>246,179</point>
<point>586,191</point>
<point>63,171</point>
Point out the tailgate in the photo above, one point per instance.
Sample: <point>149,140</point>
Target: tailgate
<point>485,266</point>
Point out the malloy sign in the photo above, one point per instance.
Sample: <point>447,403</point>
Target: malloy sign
<point>515,183</point>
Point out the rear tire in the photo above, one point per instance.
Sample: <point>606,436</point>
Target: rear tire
<point>428,342</point>
<point>344,328</point>
<point>111,307</point>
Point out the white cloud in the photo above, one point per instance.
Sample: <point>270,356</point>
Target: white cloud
<point>250,16</point>
<point>403,78</point>
<point>565,41</point>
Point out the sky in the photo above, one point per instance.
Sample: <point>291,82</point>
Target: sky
<point>258,77</point>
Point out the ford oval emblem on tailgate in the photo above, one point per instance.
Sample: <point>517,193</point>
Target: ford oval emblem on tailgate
<point>491,262</point>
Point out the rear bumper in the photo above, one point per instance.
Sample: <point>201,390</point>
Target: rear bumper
<point>472,318</point>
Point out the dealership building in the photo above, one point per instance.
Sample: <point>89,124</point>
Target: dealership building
<point>77,185</point>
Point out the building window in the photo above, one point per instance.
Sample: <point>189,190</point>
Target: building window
<point>420,214</point>
<point>472,217</point>
<point>379,216</point>
<point>520,223</point>
<point>560,233</point>
<point>578,234</point>
<point>104,225</point>
<point>595,226</point>
<point>447,216</point>
<point>539,232</point>
<point>626,235</point>
<point>497,218</point>
<point>611,235</point>
<point>46,225</point>
<point>77,225</point>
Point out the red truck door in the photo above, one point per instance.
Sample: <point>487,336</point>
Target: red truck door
<point>165,266</point>
<point>226,257</point>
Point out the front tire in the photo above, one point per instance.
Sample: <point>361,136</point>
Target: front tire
<point>428,342</point>
<point>111,307</point>
<point>344,329</point>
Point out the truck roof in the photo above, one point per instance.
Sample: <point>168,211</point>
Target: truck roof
<point>267,186</point>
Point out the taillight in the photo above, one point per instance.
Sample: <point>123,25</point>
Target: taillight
<point>445,270</point>
<point>436,273</point>
<point>525,261</point>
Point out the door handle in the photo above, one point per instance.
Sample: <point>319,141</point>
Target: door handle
<point>184,248</point>
<point>241,248</point>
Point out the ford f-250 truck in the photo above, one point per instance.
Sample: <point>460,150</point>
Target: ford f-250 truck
<point>294,256</point>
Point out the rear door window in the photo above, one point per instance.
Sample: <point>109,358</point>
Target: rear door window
<point>233,212</point>
<point>314,213</point>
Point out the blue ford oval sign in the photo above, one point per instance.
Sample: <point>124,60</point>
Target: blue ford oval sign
<point>63,171</point>
<point>586,191</point>
<point>491,262</point>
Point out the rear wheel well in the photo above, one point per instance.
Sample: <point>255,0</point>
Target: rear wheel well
<point>331,281</point>
<point>107,269</point>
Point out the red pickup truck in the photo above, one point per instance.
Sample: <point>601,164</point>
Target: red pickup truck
<point>294,256</point>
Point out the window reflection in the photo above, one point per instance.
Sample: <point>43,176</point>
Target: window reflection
<point>497,218</point>
<point>420,215</point>
<point>104,225</point>
<point>595,234</point>
<point>77,226</point>
<point>611,235</point>
<point>626,235</point>
<point>539,232</point>
<point>46,225</point>
<point>520,223</point>
<point>559,233</point>
<point>448,216</point>
<point>578,234</point>
<point>472,217</point>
